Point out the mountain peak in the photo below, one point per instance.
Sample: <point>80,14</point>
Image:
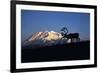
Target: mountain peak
<point>46,37</point>
<point>52,35</point>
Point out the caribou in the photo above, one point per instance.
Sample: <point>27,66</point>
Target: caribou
<point>70,36</point>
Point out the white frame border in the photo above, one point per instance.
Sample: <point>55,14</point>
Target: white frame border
<point>20,65</point>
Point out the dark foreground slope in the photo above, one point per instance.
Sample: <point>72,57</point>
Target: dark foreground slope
<point>70,51</point>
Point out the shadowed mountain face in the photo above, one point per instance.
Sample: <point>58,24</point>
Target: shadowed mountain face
<point>44,39</point>
<point>51,46</point>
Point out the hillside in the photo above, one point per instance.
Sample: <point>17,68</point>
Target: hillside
<point>68,51</point>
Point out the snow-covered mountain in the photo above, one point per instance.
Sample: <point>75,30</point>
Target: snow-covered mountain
<point>46,38</point>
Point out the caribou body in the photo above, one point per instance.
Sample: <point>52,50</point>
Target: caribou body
<point>70,36</point>
<point>73,37</point>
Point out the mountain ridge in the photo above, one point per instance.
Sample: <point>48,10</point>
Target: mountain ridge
<point>45,38</point>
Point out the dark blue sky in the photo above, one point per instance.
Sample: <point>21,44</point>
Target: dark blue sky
<point>33,21</point>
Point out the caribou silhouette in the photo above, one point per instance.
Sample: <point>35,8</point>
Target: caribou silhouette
<point>72,36</point>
